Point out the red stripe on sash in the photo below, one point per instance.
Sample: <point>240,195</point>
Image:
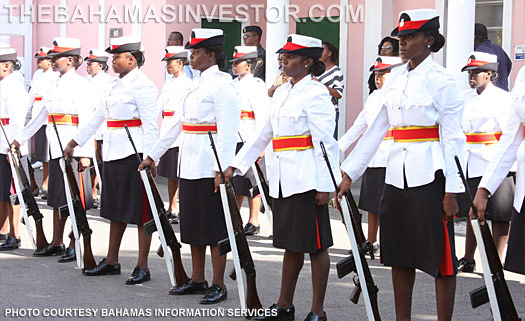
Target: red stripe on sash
<point>447,267</point>
<point>82,192</point>
<point>317,231</point>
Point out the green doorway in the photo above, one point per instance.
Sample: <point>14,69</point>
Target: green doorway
<point>232,29</point>
<point>321,28</point>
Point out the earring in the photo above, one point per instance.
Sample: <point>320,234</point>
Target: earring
<point>428,46</point>
<point>305,66</point>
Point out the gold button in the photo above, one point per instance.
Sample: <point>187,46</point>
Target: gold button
<point>405,147</point>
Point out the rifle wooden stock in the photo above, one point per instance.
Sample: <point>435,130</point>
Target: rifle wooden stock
<point>245,256</point>
<point>31,204</point>
<point>362,244</point>
<point>169,234</point>
<point>479,296</point>
<point>81,218</point>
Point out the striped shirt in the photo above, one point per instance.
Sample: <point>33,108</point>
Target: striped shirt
<point>333,78</point>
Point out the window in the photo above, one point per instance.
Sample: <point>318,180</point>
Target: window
<point>490,13</point>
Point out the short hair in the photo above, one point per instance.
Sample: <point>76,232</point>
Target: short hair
<point>333,49</point>
<point>480,31</point>
<point>178,36</point>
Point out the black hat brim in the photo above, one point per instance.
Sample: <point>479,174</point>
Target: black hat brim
<point>128,47</point>
<point>247,56</point>
<point>74,52</point>
<point>429,25</point>
<point>98,59</point>
<point>41,57</point>
<point>180,55</point>
<point>493,66</point>
<point>312,52</point>
<point>212,41</point>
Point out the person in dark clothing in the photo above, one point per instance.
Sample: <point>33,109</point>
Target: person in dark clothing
<point>252,37</point>
<point>483,44</point>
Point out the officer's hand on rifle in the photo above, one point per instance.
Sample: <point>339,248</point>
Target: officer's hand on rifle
<point>148,162</point>
<point>14,146</point>
<point>480,202</point>
<point>218,178</point>
<point>83,164</point>
<point>343,187</point>
<point>70,148</point>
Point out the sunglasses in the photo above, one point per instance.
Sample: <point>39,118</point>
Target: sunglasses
<point>387,48</point>
<point>247,36</point>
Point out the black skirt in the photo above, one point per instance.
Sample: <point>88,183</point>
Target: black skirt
<point>201,214</point>
<point>299,225</point>
<point>499,207</point>
<point>372,185</point>
<point>168,164</point>
<point>5,179</point>
<point>123,196</point>
<point>412,229</point>
<point>41,146</point>
<point>515,259</point>
<point>56,193</point>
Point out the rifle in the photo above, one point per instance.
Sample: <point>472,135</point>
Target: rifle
<point>161,223</point>
<point>495,291</point>
<point>242,258</point>
<point>74,206</point>
<point>356,263</point>
<point>264,191</point>
<point>29,203</point>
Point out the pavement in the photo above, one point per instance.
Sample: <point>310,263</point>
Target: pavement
<point>42,288</point>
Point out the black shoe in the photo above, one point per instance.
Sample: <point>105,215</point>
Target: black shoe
<point>3,237</point>
<point>279,314</point>
<point>43,194</point>
<point>314,317</point>
<point>96,203</point>
<point>68,256</point>
<point>36,192</point>
<point>214,294</point>
<point>466,266</point>
<point>250,229</point>
<point>12,243</point>
<point>49,250</point>
<point>103,268</point>
<point>189,287</point>
<point>174,218</point>
<point>138,276</point>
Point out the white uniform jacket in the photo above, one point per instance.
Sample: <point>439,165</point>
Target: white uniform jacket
<point>133,96</point>
<point>212,100</point>
<point>303,109</point>
<point>69,97</point>
<point>363,120</point>
<point>170,101</point>
<point>99,88</point>
<point>425,96</point>
<point>41,86</point>
<point>485,113</point>
<point>510,148</point>
<point>13,108</point>
<point>254,98</point>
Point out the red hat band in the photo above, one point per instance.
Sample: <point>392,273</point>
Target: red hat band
<point>411,25</point>
<point>194,41</point>
<point>238,55</point>
<point>61,49</point>
<point>380,65</point>
<point>293,46</point>
<point>476,63</point>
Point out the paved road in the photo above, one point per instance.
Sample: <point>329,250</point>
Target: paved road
<point>54,289</point>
